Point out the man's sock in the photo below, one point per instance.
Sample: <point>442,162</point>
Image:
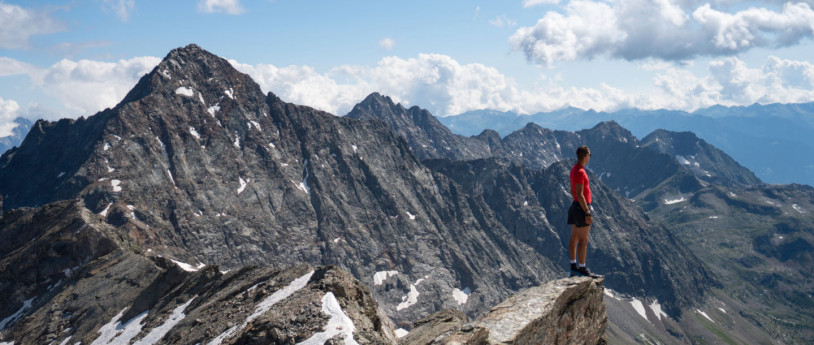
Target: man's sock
<point>573,262</point>
<point>581,265</point>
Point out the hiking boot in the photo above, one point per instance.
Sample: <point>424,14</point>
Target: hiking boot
<point>584,272</point>
<point>574,270</point>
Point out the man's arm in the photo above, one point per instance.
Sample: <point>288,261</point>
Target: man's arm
<point>583,203</point>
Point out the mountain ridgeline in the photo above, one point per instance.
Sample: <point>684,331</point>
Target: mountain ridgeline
<point>767,139</point>
<point>746,232</point>
<point>197,171</point>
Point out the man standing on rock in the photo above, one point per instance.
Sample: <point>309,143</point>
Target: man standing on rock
<point>579,215</point>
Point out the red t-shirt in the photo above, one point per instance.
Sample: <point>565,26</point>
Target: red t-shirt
<point>579,176</point>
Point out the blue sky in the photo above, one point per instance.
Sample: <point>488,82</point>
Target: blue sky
<point>74,58</point>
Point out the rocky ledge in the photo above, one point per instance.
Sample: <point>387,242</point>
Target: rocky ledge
<point>565,311</point>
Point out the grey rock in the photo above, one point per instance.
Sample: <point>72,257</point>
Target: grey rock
<point>435,327</point>
<point>565,311</point>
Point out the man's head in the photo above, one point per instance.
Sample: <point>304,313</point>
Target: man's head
<point>583,155</point>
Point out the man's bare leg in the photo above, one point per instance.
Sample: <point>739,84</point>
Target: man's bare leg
<point>572,244</point>
<point>581,234</point>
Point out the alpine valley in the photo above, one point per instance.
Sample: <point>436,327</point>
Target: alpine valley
<point>200,210</point>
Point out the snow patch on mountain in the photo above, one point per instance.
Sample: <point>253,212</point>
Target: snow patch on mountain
<point>461,296</point>
<point>339,323</point>
<point>184,91</point>
<point>381,276</point>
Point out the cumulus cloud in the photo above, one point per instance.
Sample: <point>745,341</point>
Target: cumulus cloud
<point>86,86</point>
<point>502,21</point>
<point>9,110</point>
<point>18,25</point>
<point>220,6</point>
<point>387,43</point>
<point>664,29</point>
<point>431,81</point>
<point>445,87</point>
<point>122,8</point>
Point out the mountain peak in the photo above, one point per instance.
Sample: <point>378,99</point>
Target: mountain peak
<point>187,69</point>
<point>611,129</point>
<point>377,102</point>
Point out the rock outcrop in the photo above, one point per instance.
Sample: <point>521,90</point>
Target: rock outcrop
<point>565,311</point>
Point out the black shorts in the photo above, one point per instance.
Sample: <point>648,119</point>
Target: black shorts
<point>576,215</point>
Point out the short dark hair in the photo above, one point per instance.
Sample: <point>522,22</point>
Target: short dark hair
<point>582,151</point>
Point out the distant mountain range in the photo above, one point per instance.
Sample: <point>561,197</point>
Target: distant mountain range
<point>771,140</point>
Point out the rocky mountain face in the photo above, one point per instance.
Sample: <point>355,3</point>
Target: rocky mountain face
<point>635,255</point>
<point>759,242</point>
<point>695,153</point>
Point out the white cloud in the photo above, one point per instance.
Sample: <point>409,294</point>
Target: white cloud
<point>502,21</point>
<point>590,28</point>
<point>89,86</point>
<point>663,29</point>
<point>387,43</point>
<point>530,3</point>
<point>755,27</point>
<point>9,110</point>
<point>220,6</point>
<point>9,66</point>
<point>443,86</point>
<point>431,81</point>
<point>731,82</point>
<point>122,8</point>
<point>86,86</point>
<point>18,25</point>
